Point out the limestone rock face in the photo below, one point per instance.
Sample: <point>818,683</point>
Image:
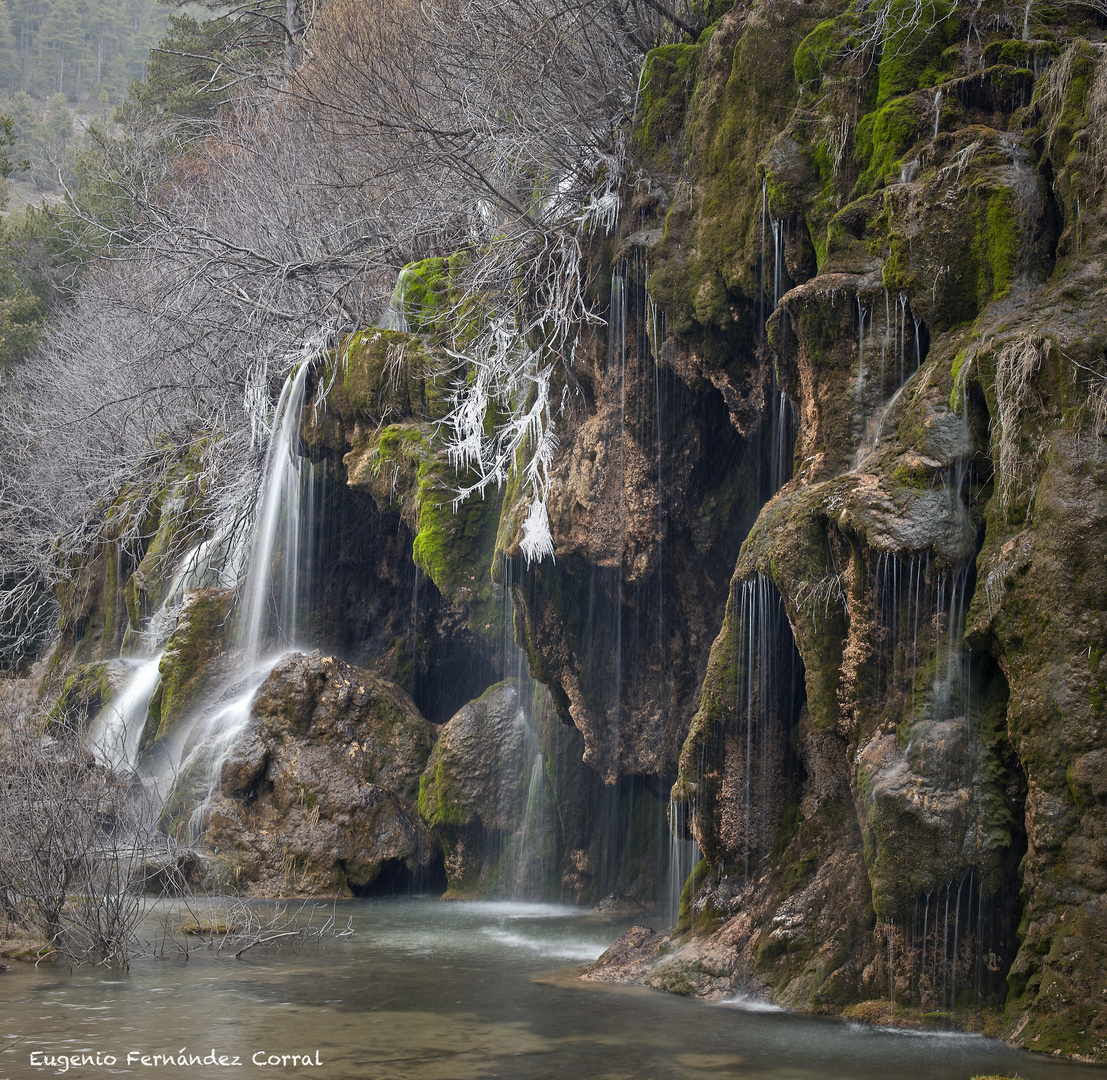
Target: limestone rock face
<point>928,271</point>
<point>386,495</point>
<point>318,795</point>
<point>474,792</point>
<point>651,495</point>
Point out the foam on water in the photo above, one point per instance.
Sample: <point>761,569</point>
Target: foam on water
<point>553,948</point>
<point>746,1003</point>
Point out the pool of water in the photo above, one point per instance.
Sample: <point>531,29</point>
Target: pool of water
<point>426,990</point>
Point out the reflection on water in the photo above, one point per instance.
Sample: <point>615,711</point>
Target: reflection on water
<point>437,991</point>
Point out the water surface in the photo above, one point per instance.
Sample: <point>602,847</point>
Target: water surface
<point>426,990</point>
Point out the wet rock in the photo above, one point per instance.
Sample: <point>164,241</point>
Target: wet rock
<point>479,769</point>
<point>474,792</point>
<point>85,693</point>
<point>651,494</point>
<point>617,904</point>
<point>318,795</point>
<point>630,958</point>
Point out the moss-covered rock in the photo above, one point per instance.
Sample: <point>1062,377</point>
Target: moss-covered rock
<point>85,693</point>
<point>454,538</point>
<point>382,393</point>
<point>108,593</point>
<point>474,792</point>
<point>380,375</point>
<point>188,664</point>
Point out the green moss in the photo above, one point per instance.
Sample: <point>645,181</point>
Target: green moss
<point>706,274</point>
<point>822,48</point>
<point>1002,241</point>
<point>957,393</point>
<point>186,663</point>
<point>668,79</point>
<point>423,295</point>
<point>687,919</point>
<point>83,695</point>
<point>441,801</point>
<point>387,374</point>
<point>455,545</point>
<point>884,136</point>
<point>916,36</point>
<point>796,874</point>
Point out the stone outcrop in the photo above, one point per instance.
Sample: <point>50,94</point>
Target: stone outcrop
<point>830,532</point>
<point>318,796</point>
<point>475,792</point>
<point>930,578</point>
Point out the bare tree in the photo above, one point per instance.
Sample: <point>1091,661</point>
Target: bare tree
<point>72,839</point>
<point>225,253</point>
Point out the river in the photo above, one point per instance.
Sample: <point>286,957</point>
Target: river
<point>426,990</point>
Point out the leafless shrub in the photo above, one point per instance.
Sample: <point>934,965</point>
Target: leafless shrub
<point>505,123</point>
<point>226,253</point>
<point>73,835</point>
<point>232,926</point>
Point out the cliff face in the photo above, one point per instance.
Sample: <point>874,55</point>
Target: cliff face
<point>894,769</point>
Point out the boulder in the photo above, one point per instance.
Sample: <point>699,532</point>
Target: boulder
<point>318,794</point>
<point>474,792</point>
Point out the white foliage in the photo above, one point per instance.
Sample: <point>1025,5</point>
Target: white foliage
<point>507,369</point>
<point>537,542</point>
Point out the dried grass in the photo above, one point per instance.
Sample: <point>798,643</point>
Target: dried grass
<point>1017,362</point>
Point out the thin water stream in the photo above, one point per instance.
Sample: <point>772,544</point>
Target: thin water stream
<point>426,990</point>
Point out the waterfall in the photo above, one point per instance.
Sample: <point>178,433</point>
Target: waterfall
<point>189,763</point>
<point>278,529</point>
<point>769,694</point>
<point>184,767</point>
<point>530,860</point>
<point>894,377</point>
<point>684,854</point>
<point>114,735</point>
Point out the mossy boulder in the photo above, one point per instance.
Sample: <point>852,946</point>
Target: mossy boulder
<point>474,792</point>
<point>188,664</point>
<point>86,692</point>
<point>109,591</point>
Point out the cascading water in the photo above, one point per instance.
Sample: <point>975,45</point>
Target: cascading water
<point>190,760</point>
<point>273,596</point>
<point>114,735</point>
<point>183,767</point>
<point>769,697</point>
<point>899,359</point>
